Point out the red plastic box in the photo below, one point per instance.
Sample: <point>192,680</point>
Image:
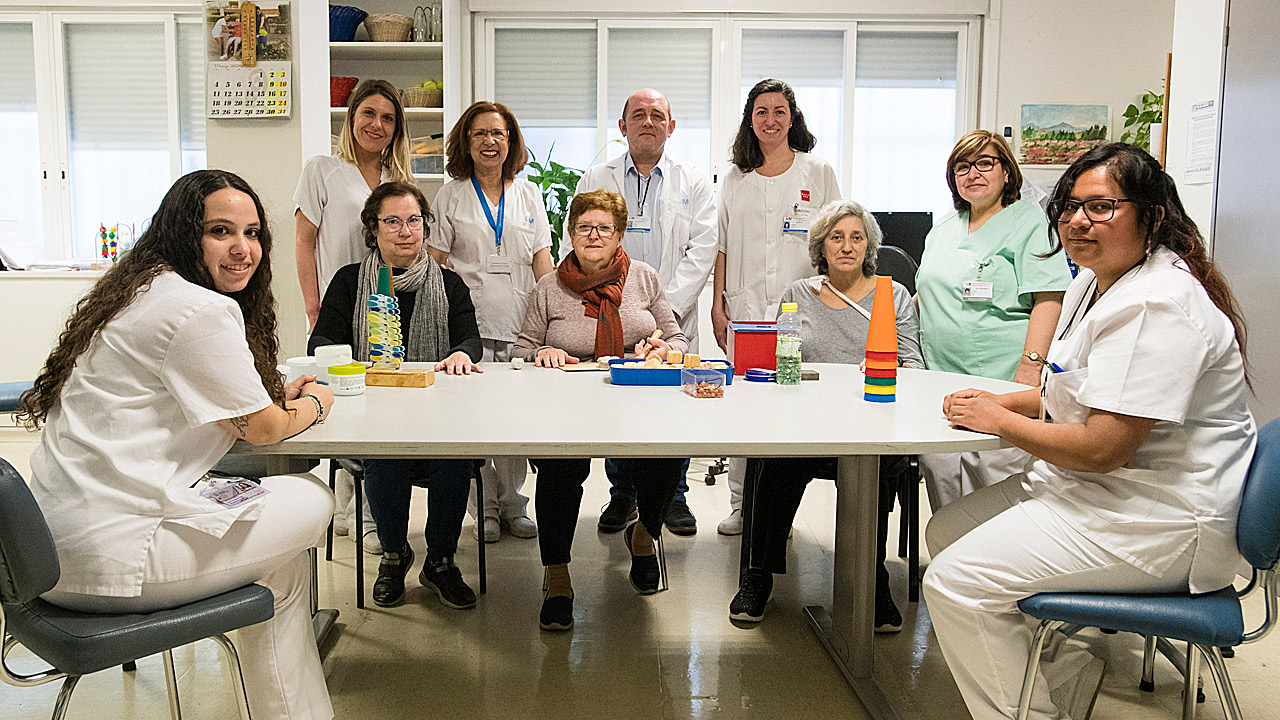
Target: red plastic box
<point>753,344</point>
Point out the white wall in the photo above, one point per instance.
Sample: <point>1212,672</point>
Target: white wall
<point>1198,27</point>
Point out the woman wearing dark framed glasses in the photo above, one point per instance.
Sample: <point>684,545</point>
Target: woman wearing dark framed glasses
<point>598,303</point>
<point>986,296</point>
<point>1136,482</point>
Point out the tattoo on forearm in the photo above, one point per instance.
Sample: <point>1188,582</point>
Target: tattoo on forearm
<point>240,423</point>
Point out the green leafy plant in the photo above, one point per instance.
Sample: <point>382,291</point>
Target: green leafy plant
<point>1138,121</point>
<point>558,183</point>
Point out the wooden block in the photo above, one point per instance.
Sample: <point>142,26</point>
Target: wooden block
<point>399,378</point>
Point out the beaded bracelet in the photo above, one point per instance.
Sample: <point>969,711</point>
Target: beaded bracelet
<point>319,411</point>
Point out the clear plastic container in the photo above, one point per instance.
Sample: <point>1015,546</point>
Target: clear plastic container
<point>788,353</point>
<point>702,382</point>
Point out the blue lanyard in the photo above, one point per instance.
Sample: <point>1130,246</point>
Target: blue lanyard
<point>502,207</point>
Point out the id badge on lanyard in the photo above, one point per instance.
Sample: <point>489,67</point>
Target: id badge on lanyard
<point>797,222</point>
<point>497,263</point>
<point>978,290</point>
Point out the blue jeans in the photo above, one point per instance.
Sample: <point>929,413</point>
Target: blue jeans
<point>622,483</point>
<point>388,485</point>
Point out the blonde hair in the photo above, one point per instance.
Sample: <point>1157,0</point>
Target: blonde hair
<point>395,157</point>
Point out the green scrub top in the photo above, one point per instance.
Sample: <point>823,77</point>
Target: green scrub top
<point>978,337</point>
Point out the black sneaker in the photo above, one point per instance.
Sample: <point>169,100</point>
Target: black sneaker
<point>557,613</point>
<point>888,619</point>
<point>679,520</point>
<point>388,589</point>
<point>645,575</point>
<point>617,514</point>
<point>445,579</point>
<point>753,595</point>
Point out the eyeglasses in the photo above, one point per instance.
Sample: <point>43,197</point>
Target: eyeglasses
<point>984,164</point>
<point>584,230</point>
<point>497,135</point>
<point>1098,210</point>
<point>394,223</point>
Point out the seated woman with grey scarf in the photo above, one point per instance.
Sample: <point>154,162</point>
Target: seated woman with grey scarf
<point>439,325</point>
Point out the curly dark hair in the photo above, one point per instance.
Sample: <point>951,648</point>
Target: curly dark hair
<point>172,243</point>
<point>373,206</point>
<point>746,146</point>
<point>1161,215</point>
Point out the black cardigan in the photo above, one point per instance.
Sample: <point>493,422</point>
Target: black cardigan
<point>333,326</point>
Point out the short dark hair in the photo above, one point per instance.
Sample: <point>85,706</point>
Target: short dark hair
<point>385,191</point>
<point>970,144</point>
<point>458,147</point>
<point>746,146</point>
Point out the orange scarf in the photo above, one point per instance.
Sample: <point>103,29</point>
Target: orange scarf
<point>601,296</point>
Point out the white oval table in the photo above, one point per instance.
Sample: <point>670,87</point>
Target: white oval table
<point>556,414</point>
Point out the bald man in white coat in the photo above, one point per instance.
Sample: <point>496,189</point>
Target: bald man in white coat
<point>671,225</point>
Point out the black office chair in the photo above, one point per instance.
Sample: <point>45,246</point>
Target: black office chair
<point>906,230</point>
<point>357,474</point>
<point>894,262</point>
<point>77,644</point>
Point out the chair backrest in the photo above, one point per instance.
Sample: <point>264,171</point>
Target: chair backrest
<point>1258,527</point>
<point>894,262</point>
<point>906,230</point>
<point>28,557</point>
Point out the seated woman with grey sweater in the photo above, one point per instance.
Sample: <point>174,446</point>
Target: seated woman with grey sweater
<point>835,315</point>
<point>599,302</point>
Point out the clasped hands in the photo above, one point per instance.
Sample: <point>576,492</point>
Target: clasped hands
<point>976,410</point>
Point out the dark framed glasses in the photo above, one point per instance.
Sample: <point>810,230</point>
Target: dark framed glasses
<point>1098,210</point>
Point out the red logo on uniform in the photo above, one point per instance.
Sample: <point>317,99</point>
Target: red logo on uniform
<point>804,196</point>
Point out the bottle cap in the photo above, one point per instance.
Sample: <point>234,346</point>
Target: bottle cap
<point>790,307</point>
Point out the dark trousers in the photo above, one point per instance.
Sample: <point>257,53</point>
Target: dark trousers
<point>559,499</point>
<point>388,485</point>
<point>622,478</point>
<point>779,487</point>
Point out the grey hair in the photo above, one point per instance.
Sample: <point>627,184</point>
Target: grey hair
<point>828,217</point>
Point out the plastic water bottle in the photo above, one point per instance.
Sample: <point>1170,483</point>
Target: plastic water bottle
<point>789,345</point>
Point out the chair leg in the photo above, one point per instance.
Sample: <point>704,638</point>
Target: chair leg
<point>913,532</point>
<point>171,681</point>
<point>359,483</point>
<point>1225,691</point>
<point>904,517</point>
<point>333,488</point>
<point>1033,666</point>
<point>237,676</point>
<point>64,697</point>
<point>749,484</point>
<point>131,666</point>
<point>1190,683</point>
<point>1148,682</point>
<point>662,560</point>
<point>484,576</point>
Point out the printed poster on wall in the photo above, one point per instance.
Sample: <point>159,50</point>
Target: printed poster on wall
<point>248,62</point>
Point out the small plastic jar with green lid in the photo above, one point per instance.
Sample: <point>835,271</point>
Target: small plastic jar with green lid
<point>347,379</point>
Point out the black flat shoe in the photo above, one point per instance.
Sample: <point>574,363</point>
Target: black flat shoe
<point>557,613</point>
<point>644,575</point>
<point>388,589</point>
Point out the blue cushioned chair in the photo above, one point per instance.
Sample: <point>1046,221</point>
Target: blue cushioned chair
<point>77,644</point>
<point>1206,622</point>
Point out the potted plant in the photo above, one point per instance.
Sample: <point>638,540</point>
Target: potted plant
<point>1138,121</point>
<point>558,183</point>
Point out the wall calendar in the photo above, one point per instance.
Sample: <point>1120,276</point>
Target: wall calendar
<point>248,61</point>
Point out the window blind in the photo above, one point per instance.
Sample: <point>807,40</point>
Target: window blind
<point>906,59</point>
<point>797,57</point>
<point>115,85</point>
<point>17,68</point>
<point>547,76</point>
<point>191,45</point>
<point>675,62</point>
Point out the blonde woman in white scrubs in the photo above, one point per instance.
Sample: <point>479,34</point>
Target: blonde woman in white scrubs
<point>491,228</point>
<point>766,204</point>
<point>168,360</point>
<point>373,149</point>
<point>1137,474</point>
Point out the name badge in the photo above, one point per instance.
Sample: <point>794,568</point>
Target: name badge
<point>233,491</point>
<point>979,291</point>
<point>640,223</point>
<point>498,265</point>
<point>795,224</point>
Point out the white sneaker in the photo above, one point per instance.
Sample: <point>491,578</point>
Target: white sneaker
<point>371,544</point>
<point>731,525</point>
<point>521,527</point>
<point>1076,697</point>
<point>340,526</point>
<point>492,530</point>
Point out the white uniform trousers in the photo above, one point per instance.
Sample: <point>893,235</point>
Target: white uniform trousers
<point>281,664</point>
<point>737,475</point>
<point>950,476</point>
<point>503,477</point>
<point>991,549</point>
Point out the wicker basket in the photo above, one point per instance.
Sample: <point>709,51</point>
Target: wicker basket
<point>420,97</point>
<point>388,27</point>
<point>343,21</point>
<point>340,90</point>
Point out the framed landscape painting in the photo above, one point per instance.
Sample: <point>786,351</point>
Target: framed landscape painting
<point>1058,134</point>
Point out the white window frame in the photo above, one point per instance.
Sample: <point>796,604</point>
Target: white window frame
<point>51,106</point>
<point>967,45</point>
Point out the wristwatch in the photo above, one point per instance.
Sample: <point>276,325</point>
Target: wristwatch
<point>1035,357</point>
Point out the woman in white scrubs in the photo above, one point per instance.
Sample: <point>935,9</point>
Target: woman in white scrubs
<point>491,228</point>
<point>987,297</point>
<point>166,362</point>
<point>766,204</point>
<point>373,149</point>
<point>1137,475</point>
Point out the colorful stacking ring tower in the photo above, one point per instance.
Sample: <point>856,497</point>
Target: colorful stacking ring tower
<point>882,346</point>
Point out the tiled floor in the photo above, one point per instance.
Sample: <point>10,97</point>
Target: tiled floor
<point>670,655</point>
